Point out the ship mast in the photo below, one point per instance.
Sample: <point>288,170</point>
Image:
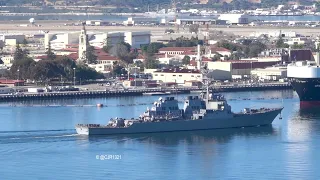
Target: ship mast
<point>207,99</point>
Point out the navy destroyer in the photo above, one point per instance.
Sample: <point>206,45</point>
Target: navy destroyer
<point>207,111</point>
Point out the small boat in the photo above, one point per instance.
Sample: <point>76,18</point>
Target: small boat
<point>155,93</point>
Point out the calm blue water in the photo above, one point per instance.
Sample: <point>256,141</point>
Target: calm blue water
<point>39,142</point>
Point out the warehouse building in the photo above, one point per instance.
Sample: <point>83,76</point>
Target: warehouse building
<point>225,70</point>
<point>270,73</point>
<point>176,75</point>
<point>235,18</point>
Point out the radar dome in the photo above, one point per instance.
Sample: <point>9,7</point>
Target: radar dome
<point>31,20</point>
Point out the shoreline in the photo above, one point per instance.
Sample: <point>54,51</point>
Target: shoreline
<point>133,92</point>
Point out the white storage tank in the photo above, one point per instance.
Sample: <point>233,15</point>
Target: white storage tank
<point>35,90</point>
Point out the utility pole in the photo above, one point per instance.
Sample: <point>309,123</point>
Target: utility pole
<point>74,76</point>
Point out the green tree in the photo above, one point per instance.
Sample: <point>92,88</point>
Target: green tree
<point>22,68</point>
<point>49,53</point>
<point>194,28</point>
<point>67,65</point>
<point>107,45</point>
<point>255,48</point>
<point>20,53</point>
<point>84,72</point>
<point>280,43</point>
<point>122,51</point>
<point>45,70</point>
<point>317,6</point>
<point>229,45</point>
<point>91,57</point>
<point>184,42</point>
<point>24,42</point>
<point>151,63</point>
<point>186,60</point>
<point>297,46</point>
<point>152,48</point>
<point>216,57</point>
<point>117,69</point>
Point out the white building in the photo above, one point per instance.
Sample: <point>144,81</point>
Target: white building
<point>176,75</point>
<point>7,60</point>
<point>271,73</point>
<point>12,39</point>
<point>224,70</point>
<point>136,39</point>
<point>96,23</point>
<point>275,34</point>
<point>220,70</point>
<point>62,40</point>
<point>297,41</point>
<point>131,21</point>
<point>170,61</point>
<point>235,18</point>
<point>104,63</point>
<point>213,50</point>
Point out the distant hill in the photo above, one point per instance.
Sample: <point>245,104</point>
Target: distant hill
<point>234,4</point>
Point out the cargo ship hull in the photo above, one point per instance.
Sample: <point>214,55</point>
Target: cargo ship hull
<point>308,90</point>
<point>237,121</point>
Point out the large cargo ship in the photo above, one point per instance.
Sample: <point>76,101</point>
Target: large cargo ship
<point>208,111</point>
<point>305,80</point>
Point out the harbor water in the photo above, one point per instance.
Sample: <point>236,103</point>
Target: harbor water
<point>38,141</point>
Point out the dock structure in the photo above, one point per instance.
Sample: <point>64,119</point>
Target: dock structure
<point>136,92</point>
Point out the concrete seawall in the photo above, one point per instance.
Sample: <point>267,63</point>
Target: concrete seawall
<point>115,93</point>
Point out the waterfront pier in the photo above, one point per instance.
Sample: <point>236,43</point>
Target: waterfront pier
<point>137,92</point>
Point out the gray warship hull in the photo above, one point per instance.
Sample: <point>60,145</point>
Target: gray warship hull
<point>236,121</point>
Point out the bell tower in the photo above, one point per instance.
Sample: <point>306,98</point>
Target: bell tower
<point>83,44</point>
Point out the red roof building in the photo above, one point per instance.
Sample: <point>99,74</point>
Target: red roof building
<point>177,50</point>
<point>12,82</point>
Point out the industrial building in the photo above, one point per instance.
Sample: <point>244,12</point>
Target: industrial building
<point>59,41</point>
<point>270,73</point>
<point>176,75</point>
<point>137,39</point>
<point>201,21</point>
<point>97,23</point>
<point>275,34</point>
<point>235,18</point>
<point>12,39</point>
<point>131,21</point>
<point>224,70</point>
